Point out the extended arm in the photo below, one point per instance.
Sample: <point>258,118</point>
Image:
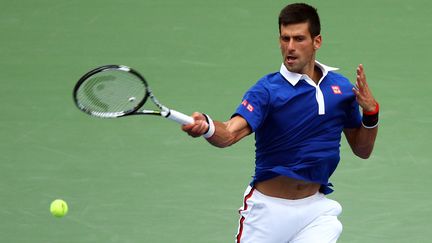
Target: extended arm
<point>226,133</point>
<point>362,139</point>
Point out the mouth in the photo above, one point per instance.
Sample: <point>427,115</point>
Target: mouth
<point>290,59</point>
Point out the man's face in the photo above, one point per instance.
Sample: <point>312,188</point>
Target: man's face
<point>298,48</point>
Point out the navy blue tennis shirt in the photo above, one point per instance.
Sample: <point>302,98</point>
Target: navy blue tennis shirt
<point>298,124</point>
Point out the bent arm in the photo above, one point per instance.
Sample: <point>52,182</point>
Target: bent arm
<point>226,133</point>
<point>361,140</point>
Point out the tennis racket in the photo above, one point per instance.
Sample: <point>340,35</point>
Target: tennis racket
<point>112,91</point>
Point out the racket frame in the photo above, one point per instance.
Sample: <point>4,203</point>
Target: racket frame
<point>164,111</point>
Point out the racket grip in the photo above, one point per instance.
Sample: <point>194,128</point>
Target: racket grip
<point>180,117</point>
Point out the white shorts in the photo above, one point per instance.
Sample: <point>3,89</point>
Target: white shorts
<point>267,219</point>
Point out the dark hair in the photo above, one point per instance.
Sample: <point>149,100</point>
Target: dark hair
<point>297,13</point>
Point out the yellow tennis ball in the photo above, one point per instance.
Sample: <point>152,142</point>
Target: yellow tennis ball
<point>59,208</point>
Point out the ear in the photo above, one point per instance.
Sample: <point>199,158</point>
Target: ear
<point>317,42</point>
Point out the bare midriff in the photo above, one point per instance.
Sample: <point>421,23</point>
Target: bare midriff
<point>287,188</point>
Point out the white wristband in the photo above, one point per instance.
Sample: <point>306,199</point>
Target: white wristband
<point>211,128</point>
<point>370,127</point>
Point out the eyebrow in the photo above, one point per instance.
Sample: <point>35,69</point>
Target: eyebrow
<point>292,36</point>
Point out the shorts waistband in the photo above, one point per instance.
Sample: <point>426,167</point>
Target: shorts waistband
<point>315,197</point>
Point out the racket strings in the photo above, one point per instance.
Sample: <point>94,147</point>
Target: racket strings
<point>111,93</point>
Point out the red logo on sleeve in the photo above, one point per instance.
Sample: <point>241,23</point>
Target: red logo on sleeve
<point>336,89</point>
<point>248,106</point>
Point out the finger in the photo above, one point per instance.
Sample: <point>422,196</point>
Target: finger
<point>360,67</point>
<point>362,74</point>
<point>359,95</point>
<point>356,91</point>
<point>187,127</point>
<point>197,131</point>
<point>200,127</point>
<point>193,131</point>
<point>359,86</point>
<point>359,83</point>
<point>192,126</point>
<point>361,79</point>
<point>198,116</point>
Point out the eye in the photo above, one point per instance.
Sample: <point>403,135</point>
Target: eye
<point>285,38</point>
<point>299,38</point>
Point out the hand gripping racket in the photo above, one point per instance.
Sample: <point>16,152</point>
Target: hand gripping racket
<point>115,91</point>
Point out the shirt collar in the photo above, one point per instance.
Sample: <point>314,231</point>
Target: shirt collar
<point>294,78</point>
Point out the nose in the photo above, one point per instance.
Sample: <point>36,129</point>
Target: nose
<point>290,45</point>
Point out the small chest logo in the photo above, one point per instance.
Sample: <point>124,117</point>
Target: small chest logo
<point>336,89</point>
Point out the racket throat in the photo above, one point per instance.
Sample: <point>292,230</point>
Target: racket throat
<point>165,112</point>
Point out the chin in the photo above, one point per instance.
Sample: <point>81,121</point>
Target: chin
<point>292,68</point>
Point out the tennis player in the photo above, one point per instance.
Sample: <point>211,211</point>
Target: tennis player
<point>298,115</point>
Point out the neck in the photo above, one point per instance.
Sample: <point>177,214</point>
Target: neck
<point>316,74</point>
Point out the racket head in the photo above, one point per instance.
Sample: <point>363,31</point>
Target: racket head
<point>111,91</point>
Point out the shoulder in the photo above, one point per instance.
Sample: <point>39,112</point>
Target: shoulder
<point>336,76</point>
<point>338,79</point>
<point>262,84</point>
<point>270,82</point>
<point>265,88</point>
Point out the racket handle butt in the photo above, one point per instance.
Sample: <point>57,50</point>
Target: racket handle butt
<point>180,117</point>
